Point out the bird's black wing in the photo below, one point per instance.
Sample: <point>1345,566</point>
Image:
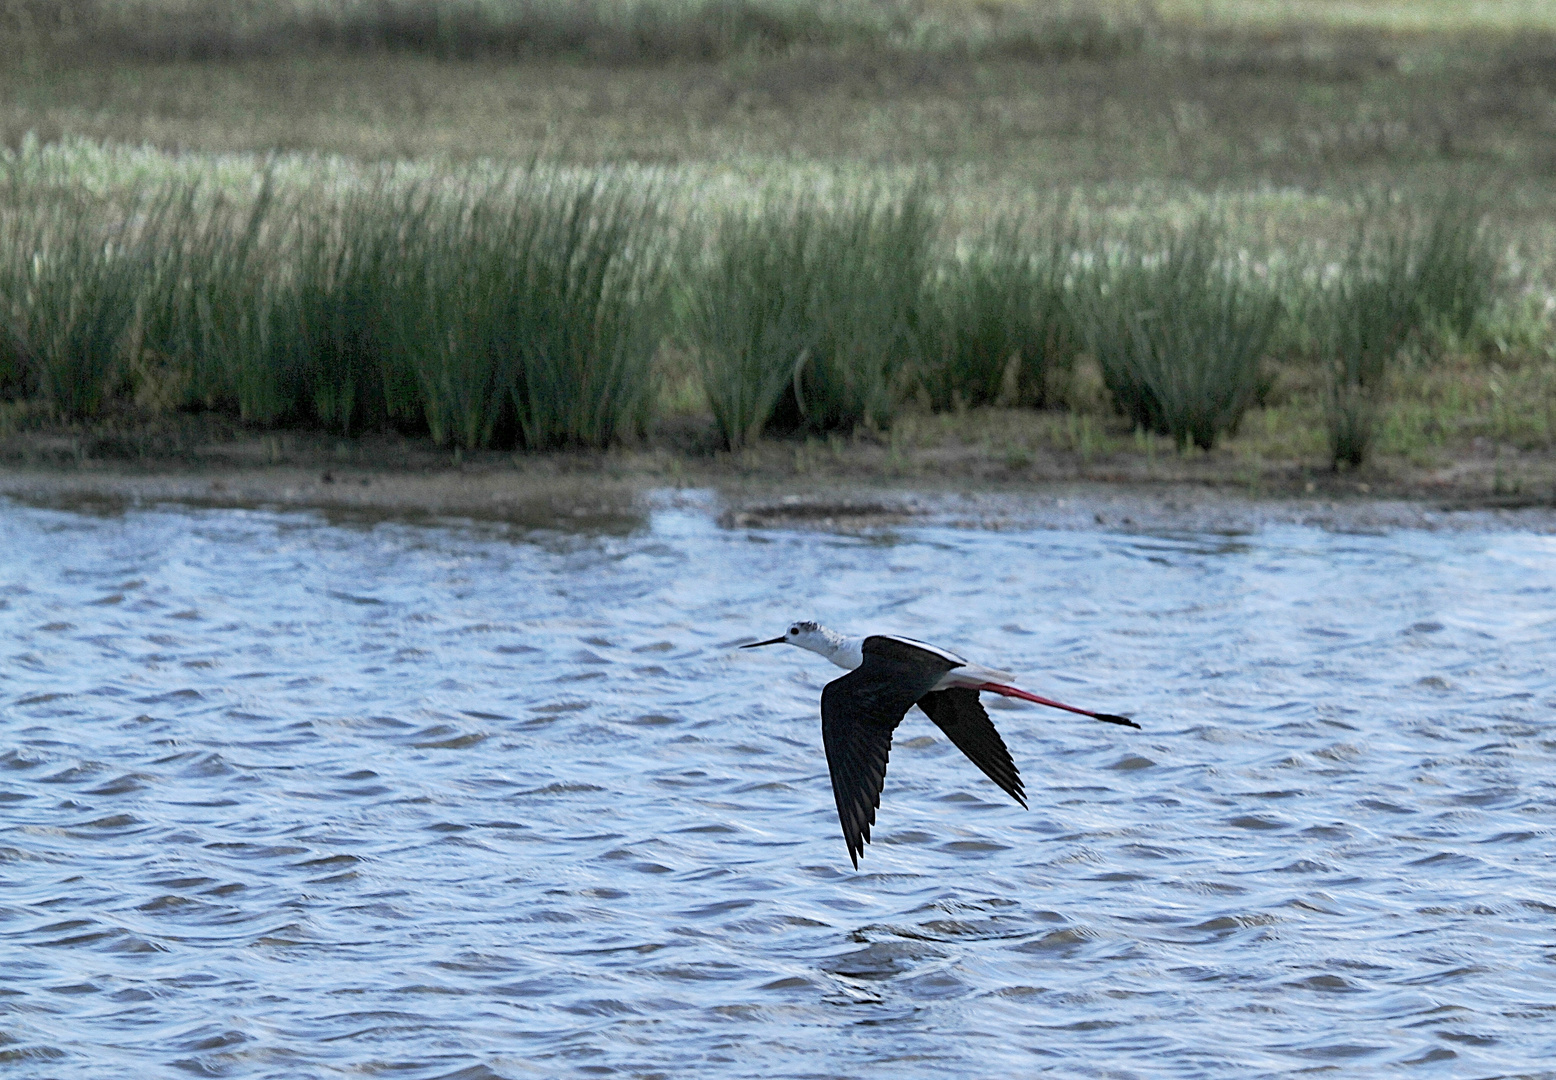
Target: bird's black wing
<point>959,714</point>
<point>858,714</point>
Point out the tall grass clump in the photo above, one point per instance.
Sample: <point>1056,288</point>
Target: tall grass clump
<point>68,303</point>
<point>591,319</point>
<point>337,315</point>
<point>807,316</point>
<point>866,266</point>
<point>1368,313</point>
<point>547,302</point>
<point>279,311</point>
<point>1180,328</point>
<point>750,315</point>
<point>999,321</point>
<point>527,309</point>
<point>1457,270</point>
<point>210,310</point>
<point>1430,279</point>
<point>453,307</point>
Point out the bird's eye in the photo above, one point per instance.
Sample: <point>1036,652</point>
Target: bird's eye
<point>794,629</point>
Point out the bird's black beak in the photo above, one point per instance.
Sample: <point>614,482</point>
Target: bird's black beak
<point>759,644</point>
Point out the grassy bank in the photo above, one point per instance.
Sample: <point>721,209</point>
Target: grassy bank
<point>540,308</point>
<point>1197,229</point>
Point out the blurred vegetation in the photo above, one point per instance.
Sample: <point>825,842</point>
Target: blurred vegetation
<point>599,31</point>
<point>1199,222</point>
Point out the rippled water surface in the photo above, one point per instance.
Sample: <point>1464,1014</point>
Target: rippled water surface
<point>287,797</point>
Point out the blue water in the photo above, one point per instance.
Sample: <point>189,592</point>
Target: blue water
<point>282,796</point>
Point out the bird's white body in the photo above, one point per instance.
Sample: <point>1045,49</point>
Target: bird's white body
<point>848,653</point>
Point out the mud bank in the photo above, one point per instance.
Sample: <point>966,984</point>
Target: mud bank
<point>964,476</point>
<point>597,499</point>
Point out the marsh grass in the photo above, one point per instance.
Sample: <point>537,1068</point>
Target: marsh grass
<point>807,317</point>
<point>999,324</point>
<point>450,336</point>
<point>1370,312</point>
<point>277,311</point>
<point>867,265</point>
<point>209,311</point>
<point>528,309</point>
<point>67,309</point>
<point>598,30</point>
<point>1428,278</point>
<point>816,323</point>
<point>1456,276</point>
<point>748,317</point>
<point>334,320</point>
<point>84,292</point>
<point>541,305</point>
<point>1060,32</point>
<point>588,314</point>
<point>1180,328</point>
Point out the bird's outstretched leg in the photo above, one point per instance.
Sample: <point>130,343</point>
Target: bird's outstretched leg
<point>1011,691</point>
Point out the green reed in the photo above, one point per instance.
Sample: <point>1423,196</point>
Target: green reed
<point>1457,272</point>
<point>336,316</point>
<point>529,304</point>
<point>867,265</point>
<point>1414,279</point>
<point>527,309</point>
<point>546,304</point>
<point>1180,329</point>
<point>999,321</point>
<point>1368,311</point>
<point>807,315</point>
<point>211,308</point>
<point>67,308</point>
<point>749,316</point>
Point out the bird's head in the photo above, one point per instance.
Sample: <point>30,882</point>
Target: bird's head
<point>807,635</point>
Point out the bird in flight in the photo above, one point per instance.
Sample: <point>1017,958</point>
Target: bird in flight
<point>887,676</point>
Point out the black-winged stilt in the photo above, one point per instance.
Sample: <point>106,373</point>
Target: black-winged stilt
<point>887,676</point>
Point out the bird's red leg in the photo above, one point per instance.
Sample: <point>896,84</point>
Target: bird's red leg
<point>1011,691</point>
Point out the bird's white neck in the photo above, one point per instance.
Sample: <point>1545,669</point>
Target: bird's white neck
<point>849,652</point>
<point>845,652</point>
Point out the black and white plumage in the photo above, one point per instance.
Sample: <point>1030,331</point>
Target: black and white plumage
<point>887,676</point>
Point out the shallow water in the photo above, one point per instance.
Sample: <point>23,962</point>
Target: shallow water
<point>287,797</point>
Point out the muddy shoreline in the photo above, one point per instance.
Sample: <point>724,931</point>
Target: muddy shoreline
<point>840,485</point>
